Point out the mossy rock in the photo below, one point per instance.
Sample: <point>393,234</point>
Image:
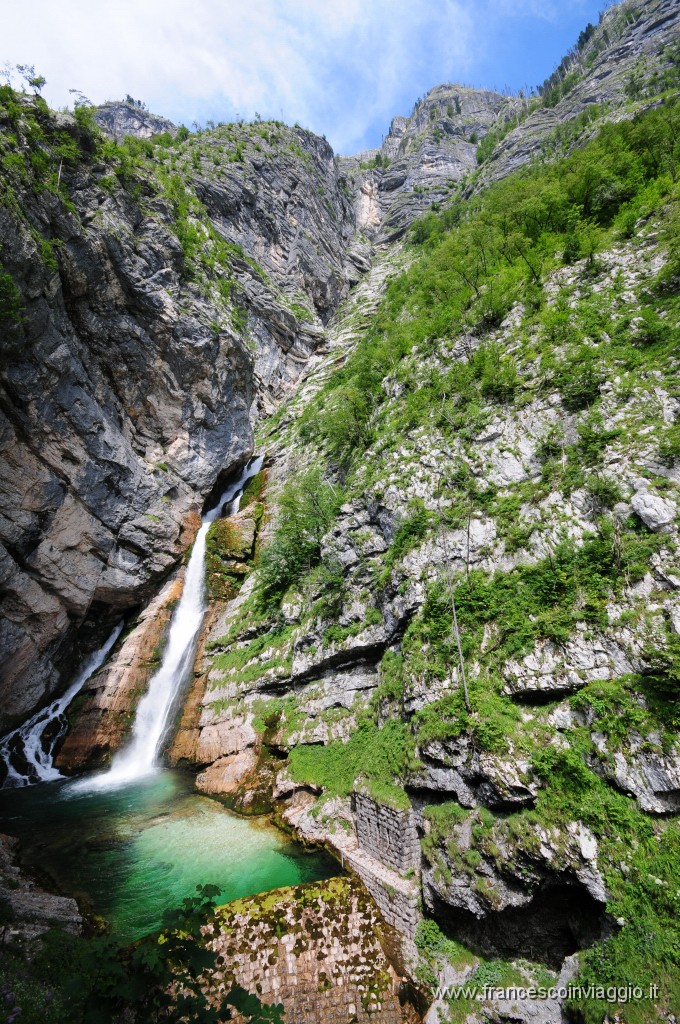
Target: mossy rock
<point>229,548</point>
<point>232,539</point>
<point>254,489</point>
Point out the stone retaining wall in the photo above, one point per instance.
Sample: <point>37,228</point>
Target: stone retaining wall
<point>386,833</point>
<point>315,949</point>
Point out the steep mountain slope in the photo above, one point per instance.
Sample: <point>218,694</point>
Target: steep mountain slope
<point>621,61</point>
<point>133,301</point>
<point>443,635</point>
<point>503,442</point>
<point>452,129</point>
<point>220,247</point>
<point>422,159</point>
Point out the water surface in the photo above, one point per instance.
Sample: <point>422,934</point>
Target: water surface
<point>131,853</point>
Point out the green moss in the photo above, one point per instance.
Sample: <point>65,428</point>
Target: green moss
<point>11,302</point>
<point>254,489</point>
<point>229,546</point>
<point>243,663</point>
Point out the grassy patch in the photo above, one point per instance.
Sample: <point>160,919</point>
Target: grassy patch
<point>377,755</point>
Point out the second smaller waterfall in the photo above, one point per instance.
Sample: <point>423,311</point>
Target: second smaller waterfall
<point>27,752</point>
<point>141,756</point>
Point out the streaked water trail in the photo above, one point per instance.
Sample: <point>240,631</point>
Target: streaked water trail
<point>28,751</point>
<point>141,756</point>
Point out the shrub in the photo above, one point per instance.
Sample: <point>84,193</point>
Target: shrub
<point>307,508</point>
<point>578,379</point>
<point>11,303</point>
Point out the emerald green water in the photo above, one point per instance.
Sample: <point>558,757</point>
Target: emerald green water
<point>132,853</point>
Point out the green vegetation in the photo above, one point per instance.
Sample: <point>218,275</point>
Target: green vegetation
<point>11,303</point>
<point>379,756</point>
<point>429,378</point>
<point>436,949</point>
<point>37,154</point>
<point>230,546</point>
<point>254,489</point>
<point>242,664</point>
<point>479,258</point>
<point>512,302</point>
<point>306,509</point>
<point>376,161</point>
<point>72,980</point>
<point>646,949</point>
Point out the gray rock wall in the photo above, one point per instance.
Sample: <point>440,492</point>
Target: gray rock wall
<point>422,157</point>
<point>119,407</point>
<point>627,42</point>
<point>125,390</point>
<point>118,119</point>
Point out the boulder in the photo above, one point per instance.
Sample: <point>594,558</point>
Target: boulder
<point>655,512</point>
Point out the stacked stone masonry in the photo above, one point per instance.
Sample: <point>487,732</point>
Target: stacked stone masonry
<point>315,949</point>
<point>386,833</point>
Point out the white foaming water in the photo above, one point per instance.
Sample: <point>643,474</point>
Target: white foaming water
<point>141,756</point>
<point>26,752</point>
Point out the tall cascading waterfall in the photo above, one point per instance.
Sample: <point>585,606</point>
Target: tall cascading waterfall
<point>141,756</point>
<point>28,752</point>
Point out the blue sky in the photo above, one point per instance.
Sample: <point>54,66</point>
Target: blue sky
<point>343,69</point>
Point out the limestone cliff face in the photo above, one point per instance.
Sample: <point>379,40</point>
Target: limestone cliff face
<point>118,119</point>
<point>422,158</point>
<point>616,64</point>
<point>345,650</point>
<point>426,155</point>
<point>128,368</point>
<point>167,299</point>
<point>278,196</point>
<point>120,406</point>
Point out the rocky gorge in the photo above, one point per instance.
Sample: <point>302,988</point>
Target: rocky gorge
<point>442,628</point>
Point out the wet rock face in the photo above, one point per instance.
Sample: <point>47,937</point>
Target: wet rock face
<point>101,716</point>
<point>120,406</point>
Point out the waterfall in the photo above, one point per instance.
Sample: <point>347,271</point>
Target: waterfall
<point>141,755</point>
<point>27,752</point>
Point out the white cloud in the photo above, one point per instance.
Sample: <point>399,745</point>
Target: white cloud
<point>337,67</point>
<point>344,61</point>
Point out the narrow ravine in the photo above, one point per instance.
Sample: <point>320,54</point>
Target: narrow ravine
<point>132,842</point>
<point>141,756</point>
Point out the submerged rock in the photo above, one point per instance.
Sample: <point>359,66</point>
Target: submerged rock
<point>32,910</point>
